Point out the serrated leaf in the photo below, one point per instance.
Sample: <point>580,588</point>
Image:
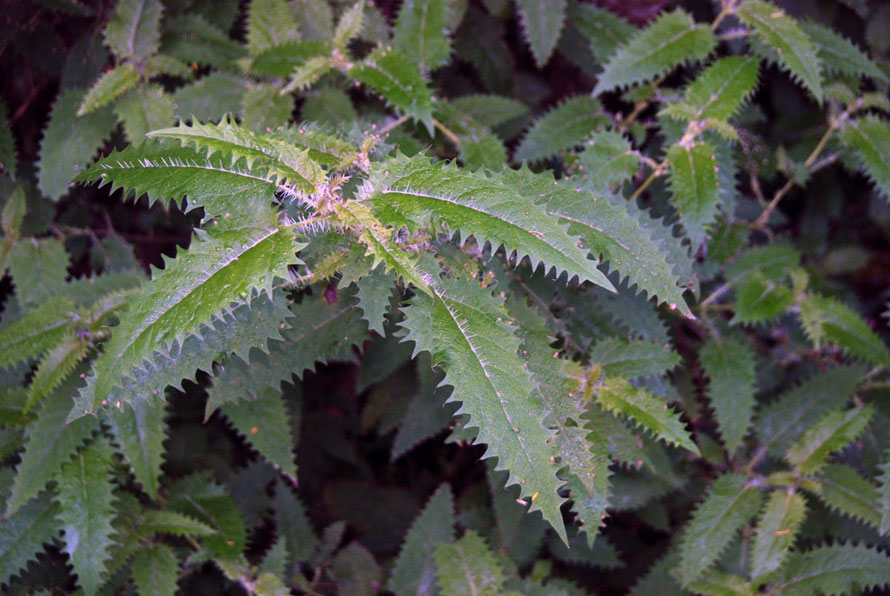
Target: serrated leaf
<point>694,187</point>
<point>773,261</point>
<point>109,87</point>
<point>468,567</point>
<point>414,569</point>
<point>461,326</point>
<point>720,90</point>
<point>786,43</point>
<point>85,500</point>
<point>542,23</point>
<point>281,161</point>
<point>728,506</point>
<point>36,331</point>
<point>780,422</point>
<point>269,23</point>
<point>23,534</point>
<point>55,366</point>
<point>350,25</point>
<point>413,191</point>
<point>13,213</point>
<point>427,413</point>
<point>608,160</point>
<point>618,396</point>
<point>192,39</point>
<point>835,569</point>
<point>144,110</point>
<point>199,497</point>
<point>826,319</point>
<point>561,128</point>
<point>759,299</point>
<point>221,266</point>
<point>134,28</point>
<point>869,138</point>
<point>604,29</point>
<point>777,529</point>
<point>209,98</point>
<point>730,364</point>
<point>170,522</point>
<point>374,293</point>
<point>489,110</point>
<point>633,358</point>
<point>139,431</point>
<point>482,149</point>
<point>7,144</point>
<point>839,55</point>
<point>671,40</point>
<point>314,17</point>
<point>318,332</point>
<point>842,489</point>
<point>421,32</point>
<point>325,147</point>
<point>69,143</point>
<point>609,227</point>
<point>393,76</point>
<point>38,269</point>
<point>155,570</point>
<point>829,434</point>
<point>293,524</point>
<point>884,494</point>
<point>51,444</point>
<point>265,426</point>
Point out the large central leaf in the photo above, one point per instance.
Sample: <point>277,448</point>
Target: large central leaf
<point>222,266</point>
<point>463,328</point>
<point>415,192</point>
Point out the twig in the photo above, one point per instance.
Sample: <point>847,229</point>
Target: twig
<point>445,131</point>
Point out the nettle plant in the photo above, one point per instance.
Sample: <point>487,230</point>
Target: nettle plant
<point>613,305</point>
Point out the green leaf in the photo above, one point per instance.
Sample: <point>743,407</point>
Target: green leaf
<point>324,147</point>
<point>319,332</point>
<point>884,494</point>
<point>144,110</point>
<point>839,55</point>
<point>605,30</point>
<point>265,108</point>
<point>374,293</point>
<point>633,358</point>
<point>85,500</point>
<point>782,421</point>
<point>13,213</point>
<point>721,89</point>
<point>561,128</point>
<point>618,396</point>
<point>37,331</point>
<point>670,41</point>
<point>468,567</point>
<point>869,138</point>
<point>826,319</point>
<point>39,269</point>
<point>7,144</point>
<point>139,431</point>
<point>209,98</point>
<point>625,237</point>
<point>785,43</point>
<point>842,489</point>
<point>350,25</point>
<point>281,161</point>
<point>23,534</point>
<point>398,80</point>
<point>201,499</point>
<point>269,23</point>
<point>51,444</point>
<point>421,32</point>
<point>69,143</point>
<point>413,191</point>
<point>759,299</point>
<point>483,150</point>
<point>608,160</point>
<point>314,17</point>
<point>462,327</point>
<point>109,87</point>
<point>134,28</point>
<point>155,570</point>
<point>728,506</point>
<point>489,110</point>
<point>829,434</point>
<point>221,266</point>
<point>542,23</point>
<point>157,521</point>
<point>730,365</point>
<point>427,414</point>
<point>55,366</point>
<point>293,524</point>
<point>415,568</point>
<point>265,426</point>
<point>694,187</point>
<point>192,39</point>
<point>835,569</point>
<point>776,531</point>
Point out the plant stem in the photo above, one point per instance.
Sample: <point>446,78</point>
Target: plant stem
<point>455,140</point>
<point>655,174</point>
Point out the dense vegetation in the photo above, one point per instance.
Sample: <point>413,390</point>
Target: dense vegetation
<point>544,297</point>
